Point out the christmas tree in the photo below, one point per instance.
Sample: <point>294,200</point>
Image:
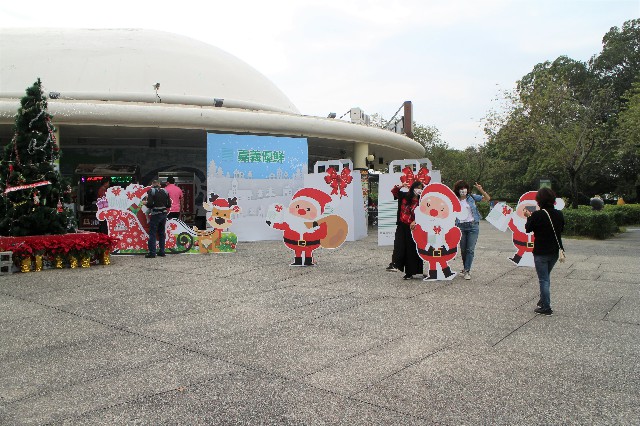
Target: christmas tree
<point>32,192</point>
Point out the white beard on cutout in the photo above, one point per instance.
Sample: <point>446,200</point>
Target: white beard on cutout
<point>428,222</point>
<point>519,222</point>
<point>297,224</point>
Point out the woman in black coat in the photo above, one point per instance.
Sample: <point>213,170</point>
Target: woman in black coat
<point>405,253</point>
<point>547,244</point>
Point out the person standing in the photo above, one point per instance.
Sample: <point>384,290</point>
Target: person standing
<point>103,227</point>
<point>406,255</point>
<point>469,223</point>
<point>158,201</point>
<point>547,225</point>
<point>177,198</point>
<point>397,248</point>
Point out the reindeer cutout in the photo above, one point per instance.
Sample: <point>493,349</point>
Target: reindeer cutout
<point>219,219</point>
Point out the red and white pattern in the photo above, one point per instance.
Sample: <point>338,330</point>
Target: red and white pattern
<point>127,219</point>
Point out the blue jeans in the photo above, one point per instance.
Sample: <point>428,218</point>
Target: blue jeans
<point>468,240</point>
<point>544,264</point>
<point>157,223</point>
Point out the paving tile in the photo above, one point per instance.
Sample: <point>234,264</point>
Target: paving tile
<point>290,349</point>
<point>99,356</point>
<point>464,385</point>
<point>153,378</point>
<point>47,329</point>
<point>247,397</point>
<point>246,339</point>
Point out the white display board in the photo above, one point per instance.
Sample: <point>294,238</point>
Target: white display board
<point>338,179</point>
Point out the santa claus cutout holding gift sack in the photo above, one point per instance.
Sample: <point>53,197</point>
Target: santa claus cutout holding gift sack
<point>435,232</point>
<point>305,226</point>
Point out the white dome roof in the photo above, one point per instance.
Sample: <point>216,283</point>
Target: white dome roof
<point>130,61</point>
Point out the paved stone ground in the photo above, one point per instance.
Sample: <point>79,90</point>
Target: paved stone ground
<point>246,339</point>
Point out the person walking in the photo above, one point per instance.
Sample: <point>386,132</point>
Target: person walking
<point>177,198</point>
<point>469,223</point>
<point>406,257</point>
<point>157,202</point>
<point>547,225</point>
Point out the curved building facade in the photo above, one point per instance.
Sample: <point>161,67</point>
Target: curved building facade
<point>150,98</point>
<point>105,84</point>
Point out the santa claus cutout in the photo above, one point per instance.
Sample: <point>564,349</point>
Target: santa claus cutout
<point>523,241</point>
<point>305,225</point>
<point>436,234</point>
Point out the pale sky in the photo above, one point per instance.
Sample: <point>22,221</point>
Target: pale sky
<point>450,57</point>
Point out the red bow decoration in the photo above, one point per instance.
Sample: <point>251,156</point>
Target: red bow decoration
<point>409,177</point>
<point>437,229</point>
<point>279,208</point>
<point>506,210</point>
<point>338,182</point>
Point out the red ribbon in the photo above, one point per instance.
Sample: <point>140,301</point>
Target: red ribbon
<point>437,229</point>
<point>409,177</point>
<point>338,182</point>
<point>506,210</point>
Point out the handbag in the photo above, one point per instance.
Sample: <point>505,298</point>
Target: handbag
<point>562,257</point>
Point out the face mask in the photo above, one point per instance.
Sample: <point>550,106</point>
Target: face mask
<point>417,191</point>
<point>463,192</point>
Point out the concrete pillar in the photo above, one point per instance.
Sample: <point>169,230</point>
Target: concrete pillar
<point>360,152</point>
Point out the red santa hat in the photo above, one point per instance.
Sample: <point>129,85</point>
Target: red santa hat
<point>221,203</point>
<point>531,196</point>
<point>444,193</point>
<point>316,197</point>
<point>528,196</point>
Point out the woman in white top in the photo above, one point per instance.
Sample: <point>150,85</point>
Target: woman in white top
<point>469,223</point>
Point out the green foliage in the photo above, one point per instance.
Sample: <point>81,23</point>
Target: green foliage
<point>626,166</point>
<point>600,224</point>
<point>618,63</point>
<point>561,123</point>
<point>29,159</point>
<point>483,208</point>
<point>626,214</point>
<point>468,164</point>
<point>576,124</point>
<point>588,223</point>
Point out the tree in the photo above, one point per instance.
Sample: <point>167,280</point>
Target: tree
<point>468,164</point>
<point>559,125</point>
<point>619,62</point>
<point>627,165</point>
<point>32,191</point>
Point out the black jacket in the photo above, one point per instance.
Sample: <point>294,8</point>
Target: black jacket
<point>538,223</point>
<point>158,200</point>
